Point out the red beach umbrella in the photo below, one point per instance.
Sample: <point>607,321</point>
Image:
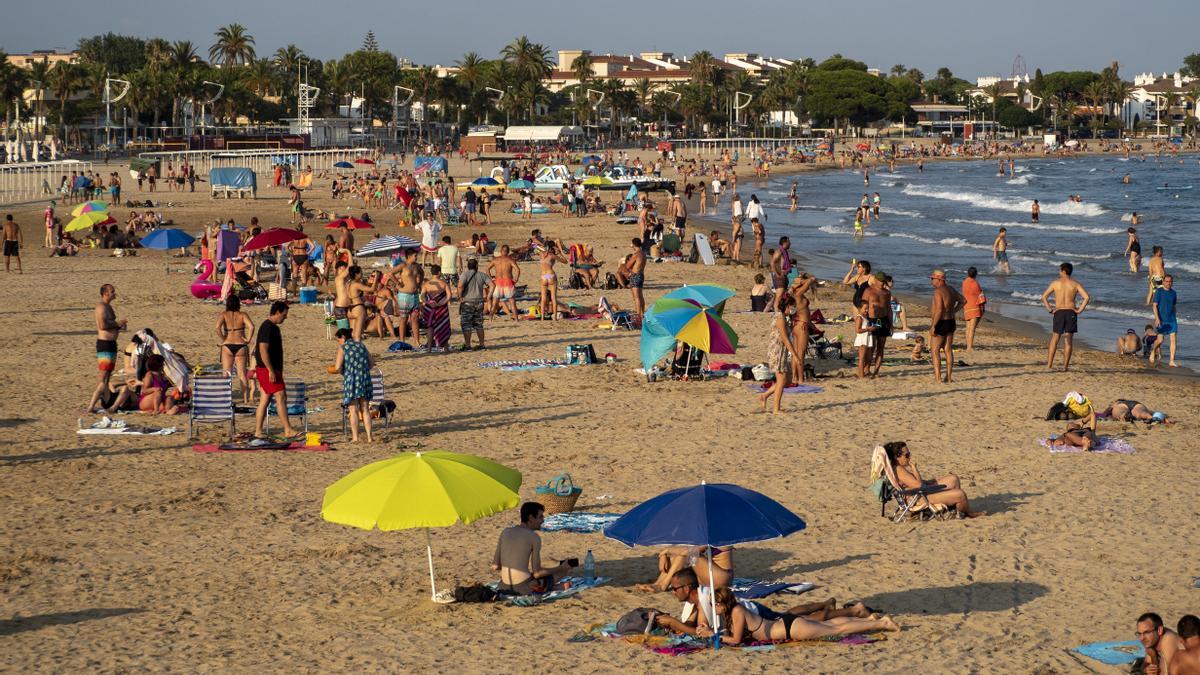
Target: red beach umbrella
<point>350,223</point>
<point>364,160</point>
<point>276,236</point>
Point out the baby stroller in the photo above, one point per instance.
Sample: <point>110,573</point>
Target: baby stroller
<point>688,362</point>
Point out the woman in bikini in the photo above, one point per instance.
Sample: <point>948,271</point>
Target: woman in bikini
<point>859,277</point>
<point>549,297</point>
<point>356,310</point>
<point>741,625</point>
<point>1127,410</point>
<point>909,478</point>
<point>234,330</point>
<point>155,385</point>
<point>674,558</point>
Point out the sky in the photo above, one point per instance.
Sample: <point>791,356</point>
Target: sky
<point>971,37</point>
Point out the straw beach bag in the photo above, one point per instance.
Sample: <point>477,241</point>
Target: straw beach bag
<point>558,495</point>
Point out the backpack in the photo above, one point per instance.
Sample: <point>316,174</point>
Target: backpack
<point>640,620</point>
<point>610,281</point>
<point>576,281</point>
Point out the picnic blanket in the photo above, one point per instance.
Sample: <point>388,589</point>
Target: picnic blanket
<point>761,388</point>
<point>298,446</point>
<point>528,364</point>
<point>660,641</point>
<point>578,585</point>
<point>752,589</point>
<point>578,522</point>
<point>1113,653</point>
<point>1107,444</point>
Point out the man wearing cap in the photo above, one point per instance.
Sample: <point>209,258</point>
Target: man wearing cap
<point>678,216</point>
<point>946,303</point>
<point>1066,314</point>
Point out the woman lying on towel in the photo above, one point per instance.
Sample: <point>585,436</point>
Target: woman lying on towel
<point>674,558</point>
<point>1077,435</point>
<point>744,626</point>
<point>909,478</point>
<point>1127,410</point>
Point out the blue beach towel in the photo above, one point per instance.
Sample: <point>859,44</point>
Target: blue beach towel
<point>578,522</point>
<point>400,346</point>
<point>578,585</point>
<point>752,589</point>
<point>1113,653</point>
<point>760,388</point>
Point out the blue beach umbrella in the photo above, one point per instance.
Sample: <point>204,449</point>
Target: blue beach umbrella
<point>520,184</point>
<point>485,181</point>
<point>165,238</point>
<point>344,165</point>
<point>720,514</point>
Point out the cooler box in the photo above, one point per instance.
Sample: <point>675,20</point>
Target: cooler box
<point>308,295</point>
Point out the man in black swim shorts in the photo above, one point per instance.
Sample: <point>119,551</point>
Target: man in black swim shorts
<point>1066,311</point>
<point>946,303</point>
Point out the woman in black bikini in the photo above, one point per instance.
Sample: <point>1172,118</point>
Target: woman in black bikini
<point>859,277</point>
<point>741,625</point>
<point>234,330</point>
<point>357,310</point>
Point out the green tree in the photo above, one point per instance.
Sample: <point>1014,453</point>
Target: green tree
<point>370,44</point>
<point>581,67</point>
<point>530,63</point>
<point>472,77</point>
<point>371,75</point>
<point>839,62</point>
<point>261,77</point>
<point>116,54</point>
<point>234,46</point>
<point>65,80</point>
<point>12,84</point>
<point>1191,65</point>
<point>852,96</point>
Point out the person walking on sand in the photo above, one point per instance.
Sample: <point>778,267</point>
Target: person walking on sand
<point>48,221</point>
<point>354,363</point>
<point>946,303</point>
<point>268,354</point>
<point>107,330</point>
<point>1066,314</point>
<point>760,238</point>
<point>781,267</point>
<point>781,351</point>
<point>13,240</point>
<point>1163,302</point>
<point>1000,251</point>
<point>973,309</point>
<point>1133,249</point>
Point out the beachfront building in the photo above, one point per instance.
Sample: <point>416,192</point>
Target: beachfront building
<point>935,117</point>
<point>50,57</point>
<point>1163,103</point>
<point>1015,89</point>
<point>662,69</point>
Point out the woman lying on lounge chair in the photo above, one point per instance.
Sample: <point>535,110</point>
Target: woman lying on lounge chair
<point>910,478</point>
<point>674,558</point>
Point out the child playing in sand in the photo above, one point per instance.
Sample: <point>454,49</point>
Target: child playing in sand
<point>863,339</point>
<point>918,351</point>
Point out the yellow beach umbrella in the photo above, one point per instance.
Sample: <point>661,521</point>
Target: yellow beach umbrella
<point>597,180</point>
<point>422,489</point>
<point>86,221</point>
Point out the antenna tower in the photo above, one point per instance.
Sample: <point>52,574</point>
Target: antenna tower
<point>1019,69</point>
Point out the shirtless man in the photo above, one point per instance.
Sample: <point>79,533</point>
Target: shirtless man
<point>1035,212</point>
<point>1187,661</point>
<point>879,311</point>
<point>1000,251</point>
<point>1156,271</point>
<point>408,285</point>
<point>12,243</point>
<point>107,330</point>
<point>946,303</point>
<point>678,216</point>
<point>518,556</point>
<point>505,274</point>
<point>1161,644</point>
<point>346,241</point>
<point>637,276</point>
<point>799,292</point>
<point>1066,314</point>
<point>781,265</point>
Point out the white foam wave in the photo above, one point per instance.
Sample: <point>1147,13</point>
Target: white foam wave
<point>834,229</point>
<point>902,212</point>
<point>1000,203</point>
<point>1021,180</point>
<point>1039,226</point>
<point>1020,169</point>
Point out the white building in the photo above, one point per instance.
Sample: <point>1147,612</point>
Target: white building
<point>1165,102</point>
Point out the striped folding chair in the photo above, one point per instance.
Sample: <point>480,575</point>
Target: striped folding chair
<point>297,403</point>
<point>377,401</point>
<point>212,402</point>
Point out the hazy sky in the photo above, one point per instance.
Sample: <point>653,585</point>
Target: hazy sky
<point>972,38</point>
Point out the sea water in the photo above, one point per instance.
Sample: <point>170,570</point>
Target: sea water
<point>948,216</point>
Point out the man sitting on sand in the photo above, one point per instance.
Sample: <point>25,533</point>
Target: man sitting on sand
<point>518,556</point>
<point>815,618</point>
<point>1161,643</point>
<point>1187,661</point>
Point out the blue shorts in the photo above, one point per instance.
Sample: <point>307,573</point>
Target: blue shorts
<point>1167,328</point>
<point>470,207</point>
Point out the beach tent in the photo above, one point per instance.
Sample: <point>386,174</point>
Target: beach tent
<point>233,179</point>
<point>433,163</point>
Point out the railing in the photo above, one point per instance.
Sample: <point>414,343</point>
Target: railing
<point>30,181</point>
<point>261,162</point>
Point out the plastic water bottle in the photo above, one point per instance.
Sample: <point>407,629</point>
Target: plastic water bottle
<point>589,567</point>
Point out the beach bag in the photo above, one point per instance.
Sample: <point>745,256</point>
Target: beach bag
<point>576,281</point>
<point>762,373</point>
<point>558,495</point>
<point>583,355</point>
<point>640,620</point>
<point>610,281</point>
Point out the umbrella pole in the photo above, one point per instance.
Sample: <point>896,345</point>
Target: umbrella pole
<point>429,554</point>
<point>712,596</point>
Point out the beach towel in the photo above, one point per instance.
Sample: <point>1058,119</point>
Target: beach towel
<point>578,522</point>
<point>660,641</point>
<point>578,585</point>
<point>1113,653</point>
<point>1107,444</point>
<point>297,446</point>
<point>128,431</point>
<point>437,319</point>
<point>529,364</point>
<point>761,388</point>
<point>752,589</point>
<point>400,346</point>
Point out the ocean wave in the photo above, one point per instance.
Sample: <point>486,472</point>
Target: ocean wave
<point>1039,226</point>
<point>1021,180</point>
<point>834,229</point>
<point>999,203</point>
<point>902,212</point>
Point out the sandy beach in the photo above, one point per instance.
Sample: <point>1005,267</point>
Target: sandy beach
<point>138,553</point>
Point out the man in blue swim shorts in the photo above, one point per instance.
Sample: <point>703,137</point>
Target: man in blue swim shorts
<point>1163,302</point>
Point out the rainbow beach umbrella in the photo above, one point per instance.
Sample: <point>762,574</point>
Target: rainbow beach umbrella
<point>88,207</point>
<point>87,221</point>
<point>687,321</point>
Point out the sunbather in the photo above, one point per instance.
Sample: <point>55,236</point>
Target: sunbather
<point>1127,410</point>
<point>742,625</point>
<point>909,477</point>
<point>156,397</point>
<point>518,556</point>
<point>672,559</point>
<point>1077,435</point>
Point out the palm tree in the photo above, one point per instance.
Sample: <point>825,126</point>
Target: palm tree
<point>581,67</point>
<point>38,75</point>
<point>261,77</point>
<point>471,75</point>
<point>530,59</point>
<point>287,60</point>
<point>158,53</point>
<point>12,84</point>
<point>426,87</point>
<point>703,67</point>
<point>898,70</point>
<point>994,91</point>
<point>233,46</point>
<point>65,79</point>
<point>1097,92</point>
<point>644,91</point>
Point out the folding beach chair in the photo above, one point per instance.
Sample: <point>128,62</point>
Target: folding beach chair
<point>297,403</point>
<point>212,402</point>
<point>378,401</point>
<point>909,502</point>
<point>454,216</point>
<point>621,319</point>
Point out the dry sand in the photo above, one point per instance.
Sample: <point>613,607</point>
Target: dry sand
<point>138,553</point>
